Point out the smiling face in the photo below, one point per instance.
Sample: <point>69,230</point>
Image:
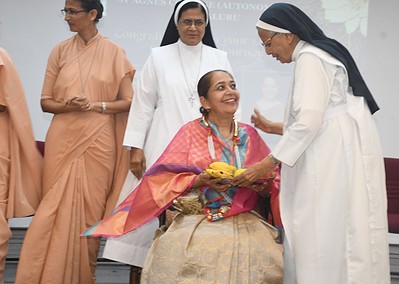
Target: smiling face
<point>279,45</point>
<point>80,19</point>
<point>222,97</point>
<point>191,34</point>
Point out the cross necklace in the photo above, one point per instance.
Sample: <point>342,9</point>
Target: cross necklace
<point>191,87</point>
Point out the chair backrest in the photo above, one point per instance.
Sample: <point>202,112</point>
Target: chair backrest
<point>392,181</point>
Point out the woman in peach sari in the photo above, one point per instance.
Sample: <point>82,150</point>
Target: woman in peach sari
<point>20,160</point>
<point>88,89</point>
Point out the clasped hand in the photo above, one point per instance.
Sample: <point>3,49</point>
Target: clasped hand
<point>79,103</point>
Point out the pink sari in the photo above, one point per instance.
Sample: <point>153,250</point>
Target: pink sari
<point>186,156</point>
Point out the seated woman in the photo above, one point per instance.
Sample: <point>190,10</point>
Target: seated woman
<point>217,237</point>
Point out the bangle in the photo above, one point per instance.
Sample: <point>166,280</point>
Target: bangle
<point>104,105</point>
<point>274,160</point>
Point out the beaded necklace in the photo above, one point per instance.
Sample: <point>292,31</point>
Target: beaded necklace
<point>219,214</point>
<point>235,139</point>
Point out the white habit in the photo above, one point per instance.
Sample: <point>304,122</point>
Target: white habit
<point>333,196</point>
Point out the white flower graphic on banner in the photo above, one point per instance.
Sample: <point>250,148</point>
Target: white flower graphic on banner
<point>354,13</point>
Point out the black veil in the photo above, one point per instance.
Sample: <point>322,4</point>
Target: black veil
<point>171,34</point>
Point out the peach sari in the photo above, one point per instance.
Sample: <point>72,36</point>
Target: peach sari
<point>84,165</point>
<point>20,160</point>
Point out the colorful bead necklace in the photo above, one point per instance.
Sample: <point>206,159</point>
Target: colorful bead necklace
<point>211,147</point>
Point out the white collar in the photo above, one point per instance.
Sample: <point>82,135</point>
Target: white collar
<point>195,48</point>
<point>297,49</point>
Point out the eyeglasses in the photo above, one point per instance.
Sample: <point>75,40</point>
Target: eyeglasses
<point>267,42</point>
<point>188,23</point>
<point>72,12</point>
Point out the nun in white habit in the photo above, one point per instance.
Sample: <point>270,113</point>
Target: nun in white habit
<point>333,197</point>
<point>165,99</point>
